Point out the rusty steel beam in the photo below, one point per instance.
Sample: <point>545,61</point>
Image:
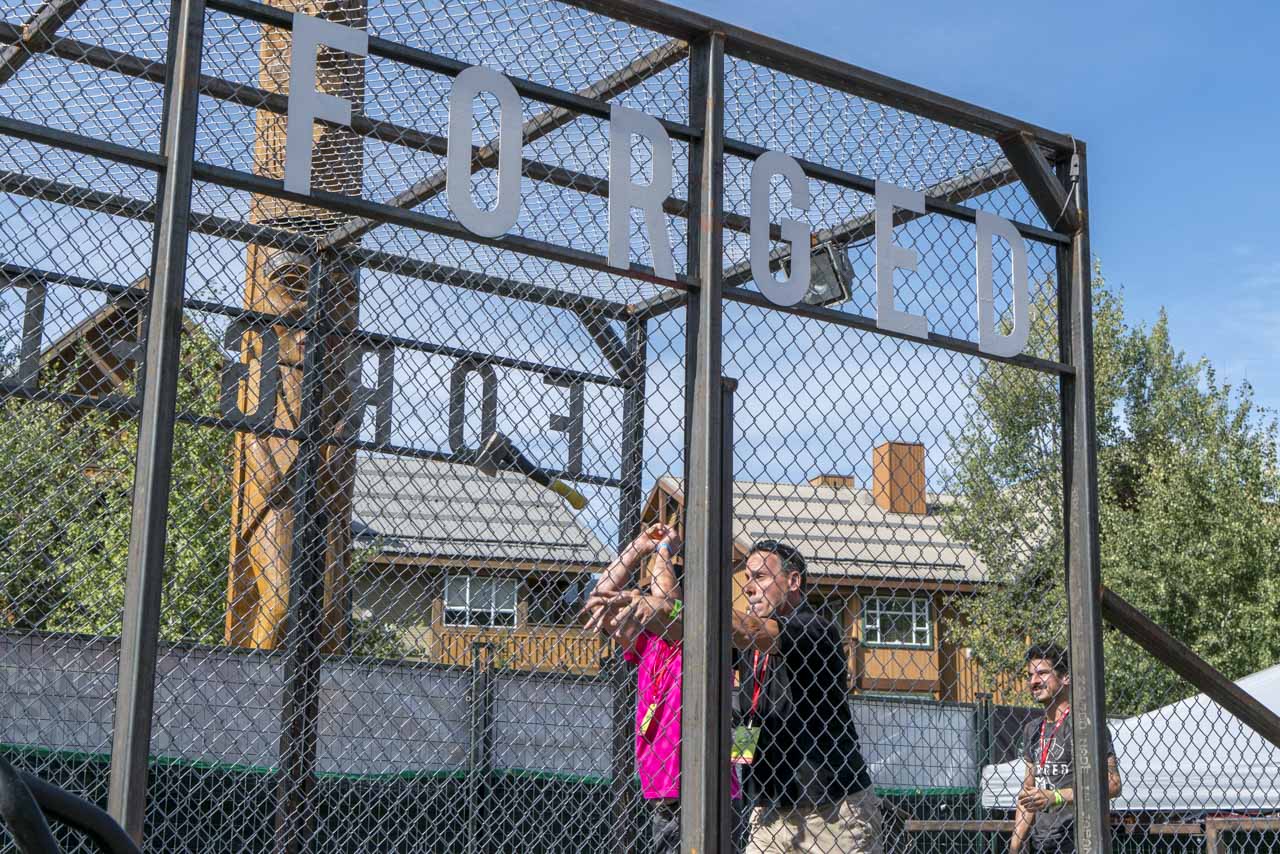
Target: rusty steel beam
<point>1033,168</point>
<point>251,97</point>
<point>1182,660</point>
<point>744,44</point>
<point>611,345</point>
<point>981,179</point>
<point>116,204</point>
<point>35,35</point>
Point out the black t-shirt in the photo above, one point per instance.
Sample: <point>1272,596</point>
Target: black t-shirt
<point>1055,745</point>
<point>808,750</point>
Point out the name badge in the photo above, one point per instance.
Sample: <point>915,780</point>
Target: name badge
<point>745,739</point>
<point>647,721</point>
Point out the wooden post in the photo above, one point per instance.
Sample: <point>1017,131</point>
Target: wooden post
<point>262,513</point>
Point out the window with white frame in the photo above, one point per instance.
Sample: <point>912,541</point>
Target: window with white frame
<point>897,621</point>
<point>480,600</point>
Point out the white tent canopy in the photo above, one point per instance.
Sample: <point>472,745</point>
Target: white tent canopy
<point>1190,756</point>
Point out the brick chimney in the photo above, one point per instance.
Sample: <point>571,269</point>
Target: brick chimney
<point>833,481</point>
<point>897,477</point>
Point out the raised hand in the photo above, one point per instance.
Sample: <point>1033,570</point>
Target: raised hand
<point>671,539</point>
<point>650,538</point>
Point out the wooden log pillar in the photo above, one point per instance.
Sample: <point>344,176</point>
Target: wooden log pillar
<point>262,523</point>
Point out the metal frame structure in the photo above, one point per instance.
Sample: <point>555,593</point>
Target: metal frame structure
<point>1050,165</point>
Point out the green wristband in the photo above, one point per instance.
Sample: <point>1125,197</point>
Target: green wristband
<point>675,610</point>
<point>1058,800</point>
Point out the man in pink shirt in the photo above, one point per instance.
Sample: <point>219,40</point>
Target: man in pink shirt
<point>658,678</point>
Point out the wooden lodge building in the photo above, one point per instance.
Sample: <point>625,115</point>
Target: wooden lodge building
<point>456,558</point>
<point>879,565</point>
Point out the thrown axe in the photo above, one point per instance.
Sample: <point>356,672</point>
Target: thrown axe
<point>498,453</point>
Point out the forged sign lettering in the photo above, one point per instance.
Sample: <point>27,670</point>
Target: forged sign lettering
<point>625,195</point>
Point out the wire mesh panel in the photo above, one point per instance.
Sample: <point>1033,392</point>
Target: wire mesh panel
<point>435,455</point>
<point>871,503</point>
<point>73,277</point>
<point>445,695</point>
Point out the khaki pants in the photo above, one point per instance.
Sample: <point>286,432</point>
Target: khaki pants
<point>850,826</point>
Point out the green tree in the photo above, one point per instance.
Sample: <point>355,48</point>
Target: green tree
<point>67,476</point>
<point>1189,524</point>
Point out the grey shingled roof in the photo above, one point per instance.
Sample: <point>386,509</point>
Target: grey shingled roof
<point>434,509</point>
<point>843,533</point>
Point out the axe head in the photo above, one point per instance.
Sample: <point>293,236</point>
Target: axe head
<point>497,454</point>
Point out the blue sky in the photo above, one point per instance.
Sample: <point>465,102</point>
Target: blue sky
<point>1177,102</point>
<point>1176,110</point>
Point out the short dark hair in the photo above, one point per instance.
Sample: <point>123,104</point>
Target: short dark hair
<point>1052,653</point>
<point>792,560</point>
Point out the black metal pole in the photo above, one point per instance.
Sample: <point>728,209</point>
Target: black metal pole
<point>728,387</point>
<point>631,494</point>
<point>1182,660</point>
<point>727,827</point>
<point>982,744</point>
<point>626,821</point>
<point>1080,518</point>
<point>480,756</point>
<point>300,701</point>
<point>144,573</point>
<point>704,754</point>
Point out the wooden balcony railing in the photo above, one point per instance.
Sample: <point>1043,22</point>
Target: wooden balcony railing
<point>549,649</point>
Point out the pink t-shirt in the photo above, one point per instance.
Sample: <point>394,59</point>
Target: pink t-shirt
<point>658,744</point>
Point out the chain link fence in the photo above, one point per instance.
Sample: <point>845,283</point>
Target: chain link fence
<point>405,455</point>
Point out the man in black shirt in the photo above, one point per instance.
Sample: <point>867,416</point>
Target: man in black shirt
<point>794,733</point>
<point>793,737</point>
<point>1045,818</point>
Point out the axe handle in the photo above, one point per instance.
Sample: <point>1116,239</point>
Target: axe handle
<point>522,465</point>
<point>568,493</point>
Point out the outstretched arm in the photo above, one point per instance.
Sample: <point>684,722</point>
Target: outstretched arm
<point>602,604</point>
<point>618,573</point>
<point>624,614</point>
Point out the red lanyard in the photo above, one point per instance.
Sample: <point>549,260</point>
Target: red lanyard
<point>661,670</point>
<point>757,680</point>
<point>1044,748</point>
